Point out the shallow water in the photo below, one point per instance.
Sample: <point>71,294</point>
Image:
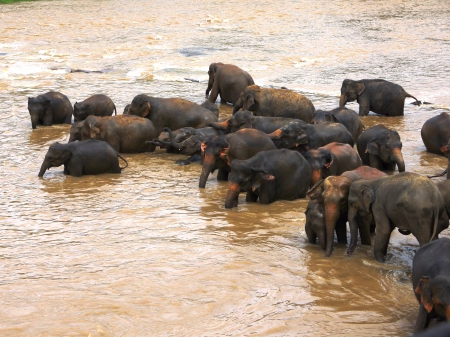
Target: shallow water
<point>146,252</point>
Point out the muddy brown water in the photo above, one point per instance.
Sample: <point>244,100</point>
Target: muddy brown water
<point>146,252</point>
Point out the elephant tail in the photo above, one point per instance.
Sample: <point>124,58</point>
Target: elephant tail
<point>115,110</point>
<point>439,174</point>
<point>436,221</point>
<point>120,156</point>
<point>417,102</point>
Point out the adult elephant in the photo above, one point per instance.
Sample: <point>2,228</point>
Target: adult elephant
<point>347,117</point>
<point>219,151</point>
<point>97,105</point>
<point>228,81</point>
<point>333,193</point>
<point>380,96</point>
<point>435,133</point>
<point>244,119</point>
<point>173,113</point>
<point>393,201</point>
<point>381,148</point>
<point>301,136</point>
<point>126,134</point>
<point>272,175</point>
<point>431,282</point>
<point>82,157</point>
<point>271,102</point>
<point>331,160</point>
<point>50,108</point>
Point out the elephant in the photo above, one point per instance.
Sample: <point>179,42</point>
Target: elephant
<point>333,192</point>
<point>186,141</point>
<point>75,131</point>
<point>211,107</point>
<point>84,157</point>
<point>381,148</point>
<point>315,225</point>
<point>173,113</point>
<point>50,108</point>
<point>377,95</point>
<point>269,102</point>
<point>219,151</point>
<point>435,134</point>
<point>228,81</point>
<point>271,175</point>
<point>302,137</point>
<point>431,282</point>
<point>347,117</point>
<point>440,330</point>
<point>331,160</point>
<point>245,119</point>
<point>126,134</point>
<point>97,105</point>
<point>125,110</point>
<point>405,200</point>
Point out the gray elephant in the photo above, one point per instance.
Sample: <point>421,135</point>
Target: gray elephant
<point>380,96</point>
<point>347,117</point>
<point>173,113</point>
<point>50,108</point>
<point>75,131</point>
<point>381,148</point>
<point>394,201</point>
<point>228,81</point>
<point>271,102</point>
<point>435,134</point>
<point>84,157</point>
<point>431,282</point>
<point>126,134</point>
<point>97,105</point>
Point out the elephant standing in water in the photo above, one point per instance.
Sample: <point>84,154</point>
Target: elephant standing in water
<point>435,134</point>
<point>50,108</point>
<point>228,81</point>
<point>380,96</point>
<point>347,117</point>
<point>97,105</point>
<point>381,148</point>
<point>270,102</point>
<point>82,157</point>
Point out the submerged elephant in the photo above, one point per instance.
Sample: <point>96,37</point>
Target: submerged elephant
<point>244,119</point>
<point>435,134</point>
<point>83,158</point>
<point>272,175</point>
<point>347,117</point>
<point>173,113</point>
<point>126,134</point>
<point>405,200</point>
<point>228,81</point>
<point>331,160</point>
<point>380,96</point>
<point>431,282</point>
<point>381,148</point>
<point>270,102</point>
<point>301,136</point>
<point>97,105</point>
<point>333,192</point>
<point>218,152</point>
<point>50,108</point>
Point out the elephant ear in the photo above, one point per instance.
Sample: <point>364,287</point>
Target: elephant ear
<point>94,131</point>
<point>145,106</point>
<point>424,290</point>
<point>65,155</point>
<point>328,159</point>
<point>224,152</point>
<point>367,196</point>
<point>260,178</point>
<point>360,88</point>
<point>302,139</point>
<point>249,101</point>
<point>373,147</point>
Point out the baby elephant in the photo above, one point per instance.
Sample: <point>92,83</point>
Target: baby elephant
<point>97,105</point>
<point>431,282</point>
<point>82,157</point>
<point>50,108</point>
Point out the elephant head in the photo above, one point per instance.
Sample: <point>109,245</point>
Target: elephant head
<point>321,116</point>
<point>213,67</point>
<point>388,147</point>
<point>75,131</point>
<point>315,223</point>
<point>434,295</point>
<point>320,160</point>
<point>292,136</point>
<point>91,129</point>
<point>249,99</point>
<point>57,155</point>
<point>244,177</point>
<point>82,110</point>
<point>140,106</point>
<point>214,153</point>
<point>350,91</point>
<point>37,107</point>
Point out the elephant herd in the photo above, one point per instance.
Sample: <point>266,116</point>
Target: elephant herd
<point>276,146</point>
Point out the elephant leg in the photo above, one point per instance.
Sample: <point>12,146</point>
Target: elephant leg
<point>375,162</point>
<point>364,226</point>
<point>267,192</point>
<point>251,197</point>
<point>382,236</point>
<point>364,106</point>
<point>214,92</point>
<point>312,236</point>
<point>222,174</point>
<point>423,319</point>
<point>341,231</point>
<point>76,170</point>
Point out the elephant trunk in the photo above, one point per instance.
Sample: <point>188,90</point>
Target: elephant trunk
<point>209,163</point>
<point>398,159</point>
<point>353,229</point>
<point>34,121</point>
<point>331,217</point>
<point>44,167</point>
<point>342,101</point>
<point>232,195</point>
<point>316,176</point>
<point>220,125</point>
<point>172,141</point>
<point>239,104</point>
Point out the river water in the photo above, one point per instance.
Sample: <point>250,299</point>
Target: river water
<point>146,252</point>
